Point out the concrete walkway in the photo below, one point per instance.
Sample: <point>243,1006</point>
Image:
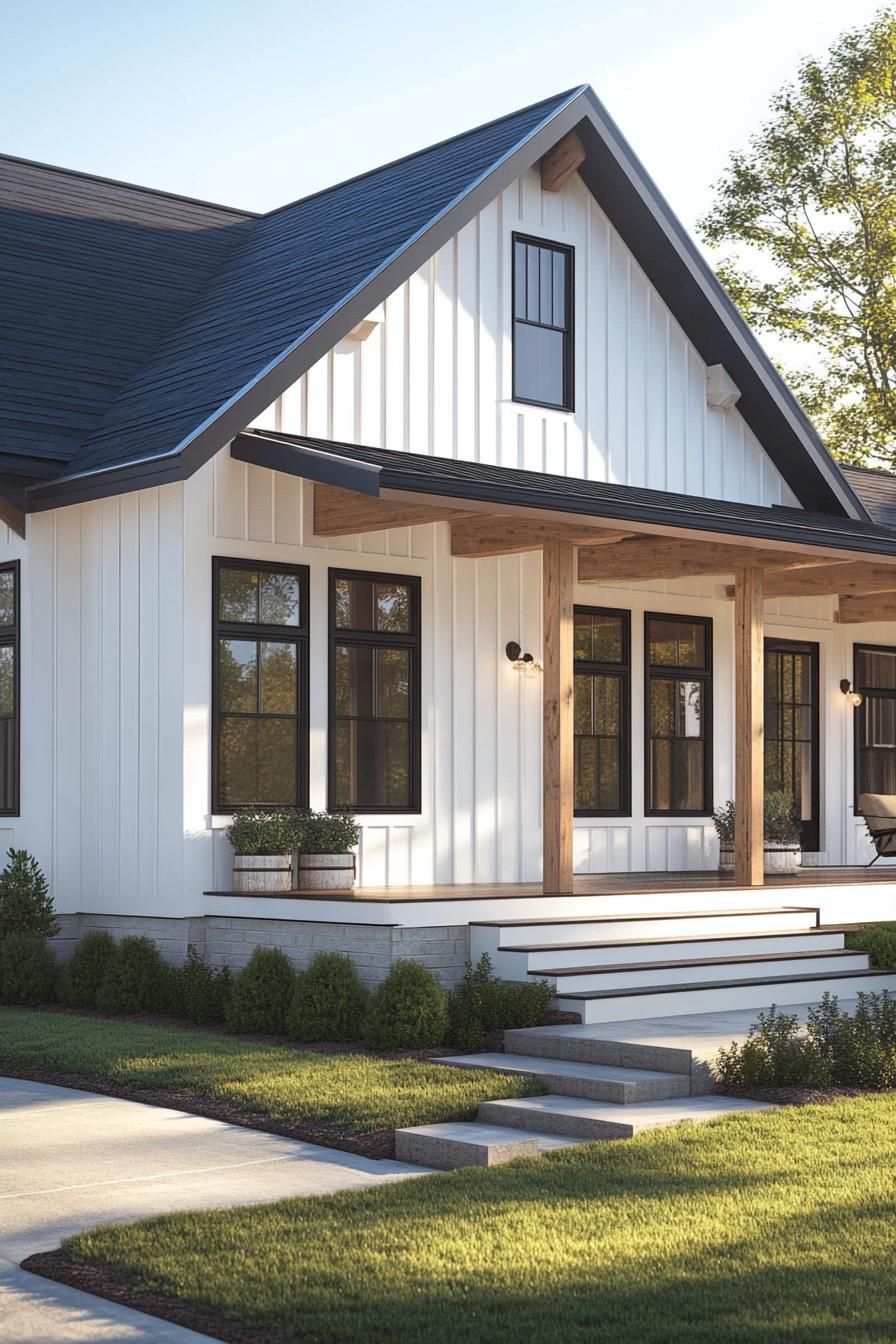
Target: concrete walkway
<point>72,1160</point>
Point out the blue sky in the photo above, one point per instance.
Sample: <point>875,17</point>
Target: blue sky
<point>256,103</point>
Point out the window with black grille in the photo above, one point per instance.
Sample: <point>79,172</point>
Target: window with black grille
<point>542,323</point>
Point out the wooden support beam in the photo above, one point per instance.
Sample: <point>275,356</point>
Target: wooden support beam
<point>748,727</point>
<point>339,513</point>
<point>559,164</point>
<point>12,516</point>
<point>669,558</point>
<point>852,578</point>
<point>507,535</point>
<point>558,570</point>
<point>874,607</point>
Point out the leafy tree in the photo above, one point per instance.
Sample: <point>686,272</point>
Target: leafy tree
<point>810,209</point>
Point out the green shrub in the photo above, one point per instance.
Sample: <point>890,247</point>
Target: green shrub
<point>481,1005</point>
<point>409,1011</point>
<point>261,993</point>
<point>328,1002</point>
<point>202,993</point>
<point>137,980</point>
<point>28,970</point>
<point>25,902</point>
<point>879,941</point>
<point>835,1048</point>
<point>327,833</point>
<point>265,832</point>
<point>86,969</point>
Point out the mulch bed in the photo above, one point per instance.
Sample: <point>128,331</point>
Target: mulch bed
<point>102,1282</point>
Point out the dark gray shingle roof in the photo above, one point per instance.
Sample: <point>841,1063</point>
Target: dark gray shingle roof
<point>876,490</point>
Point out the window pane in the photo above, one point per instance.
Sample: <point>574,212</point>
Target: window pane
<point>662,708</point>
<point>393,607</point>
<point>877,771</point>
<point>582,645</point>
<point>677,643</point>
<point>532,288</point>
<point>675,770</point>
<point>583,716</point>
<point>354,604</point>
<point>598,638</point>
<point>609,775</point>
<point>393,684</point>
<point>876,668</point>
<point>585,774</point>
<point>278,678</point>
<point>354,680</point>
<point>606,704</point>
<point>279,599</point>
<point>519,276</point>
<point>538,364</point>
<point>372,763</point>
<point>7,679</point>
<point>238,595</point>
<point>7,597</point>
<point>546,286</point>
<point>878,722</point>
<point>257,762</point>
<point>560,261</point>
<point>689,708</point>
<point>238,676</point>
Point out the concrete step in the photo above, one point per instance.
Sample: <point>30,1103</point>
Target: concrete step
<point>455,1144</point>
<point>573,1117</point>
<point>538,956</point>
<point>563,1045</point>
<point>703,970</point>
<point>723,996</point>
<point>496,937</point>
<point>597,1082</point>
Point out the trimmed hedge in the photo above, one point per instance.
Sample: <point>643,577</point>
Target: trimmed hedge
<point>201,993</point>
<point>328,1002</point>
<point>879,941</point>
<point>481,1005</point>
<point>85,971</point>
<point>261,993</point>
<point>409,1011</point>
<point>137,981</point>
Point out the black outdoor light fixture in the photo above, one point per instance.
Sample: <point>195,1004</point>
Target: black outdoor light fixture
<point>521,661</point>
<point>852,696</point>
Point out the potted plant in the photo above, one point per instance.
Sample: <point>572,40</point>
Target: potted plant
<point>781,835</point>
<point>325,858</point>
<point>263,844</point>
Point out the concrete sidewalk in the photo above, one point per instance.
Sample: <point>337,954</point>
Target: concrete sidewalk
<point>72,1160</point>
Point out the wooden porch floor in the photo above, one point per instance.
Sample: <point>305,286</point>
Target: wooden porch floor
<point>609,884</point>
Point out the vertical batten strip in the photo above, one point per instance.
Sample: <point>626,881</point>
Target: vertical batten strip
<point>748,726</point>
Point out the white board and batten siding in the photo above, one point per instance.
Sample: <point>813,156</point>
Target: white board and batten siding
<point>116,725</point>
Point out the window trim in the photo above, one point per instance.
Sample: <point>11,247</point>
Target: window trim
<point>238,629</point>
<point>377,639</point>
<point>705,675</point>
<point>14,640</point>
<point>569,399</point>
<point>623,670</point>
<point>857,714</point>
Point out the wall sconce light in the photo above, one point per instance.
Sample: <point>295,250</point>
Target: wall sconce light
<point>853,697</point>
<point>523,662</point>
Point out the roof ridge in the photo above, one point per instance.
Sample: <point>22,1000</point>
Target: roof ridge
<point>558,98</point>
<point>130,186</point>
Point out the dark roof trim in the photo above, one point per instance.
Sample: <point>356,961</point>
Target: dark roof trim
<point>312,464</point>
<point>668,256</point>
<point>516,488</point>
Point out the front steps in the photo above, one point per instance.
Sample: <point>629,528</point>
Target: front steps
<point>619,968</point>
<point>596,1089</point>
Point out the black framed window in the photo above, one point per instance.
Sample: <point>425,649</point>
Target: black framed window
<point>374,738</point>
<point>10,682</point>
<point>792,730</point>
<point>678,659</point>
<point>542,323</point>
<point>259,685</point>
<point>874,677</point>
<point>602,682</point>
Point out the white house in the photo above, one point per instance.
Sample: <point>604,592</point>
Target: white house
<point>282,492</point>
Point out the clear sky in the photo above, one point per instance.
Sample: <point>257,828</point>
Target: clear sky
<point>256,102</point>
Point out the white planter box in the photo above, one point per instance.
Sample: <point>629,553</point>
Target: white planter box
<point>326,872</point>
<point>262,872</point>
<point>777,859</point>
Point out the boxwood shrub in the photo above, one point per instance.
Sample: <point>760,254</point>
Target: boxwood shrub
<point>261,992</point>
<point>86,969</point>
<point>28,970</point>
<point>328,1002</point>
<point>879,941</point>
<point>137,979</point>
<point>409,1010</point>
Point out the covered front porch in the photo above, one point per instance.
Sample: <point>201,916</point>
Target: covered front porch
<point>606,540</point>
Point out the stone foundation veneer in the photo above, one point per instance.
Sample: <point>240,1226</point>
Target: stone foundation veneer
<point>226,940</point>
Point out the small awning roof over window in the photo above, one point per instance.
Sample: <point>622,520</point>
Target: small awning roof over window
<point>371,471</point>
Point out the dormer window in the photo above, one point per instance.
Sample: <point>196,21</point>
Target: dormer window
<point>542,323</point>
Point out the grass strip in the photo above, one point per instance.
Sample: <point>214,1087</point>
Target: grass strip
<point>774,1227</point>
<point>346,1093</point>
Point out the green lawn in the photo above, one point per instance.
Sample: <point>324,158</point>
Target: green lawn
<point>354,1093</point>
<point>768,1227</point>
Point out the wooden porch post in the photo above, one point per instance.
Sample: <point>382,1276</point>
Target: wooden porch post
<point>749,730</point>
<point>558,568</point>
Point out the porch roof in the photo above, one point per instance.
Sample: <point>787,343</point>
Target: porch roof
<point>371,471</point>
